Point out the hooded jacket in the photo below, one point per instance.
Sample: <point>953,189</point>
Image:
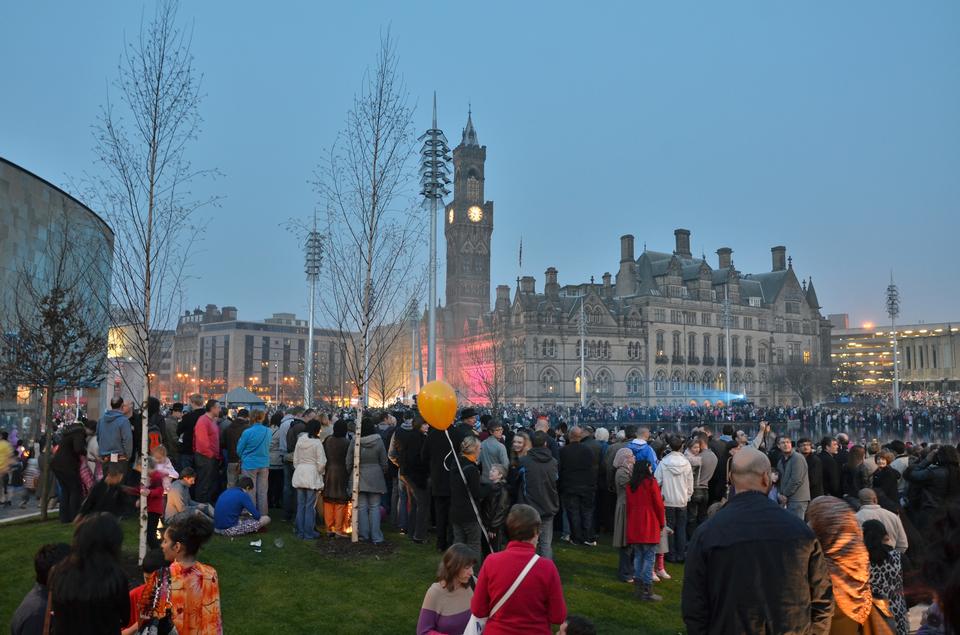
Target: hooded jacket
<point>373,465</point>
<point>114,434</point>
<point>253,447</point>
<point>309,462</point>
<point>538,481</point>
<point>674,474</point>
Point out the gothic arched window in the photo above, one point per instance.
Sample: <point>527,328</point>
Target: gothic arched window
<point>660,382</point>
<point>548,382</point>
<point>473,189</point>
<point>634,383</point>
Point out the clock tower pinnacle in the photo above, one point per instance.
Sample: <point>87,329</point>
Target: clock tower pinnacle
<point>468,228</point>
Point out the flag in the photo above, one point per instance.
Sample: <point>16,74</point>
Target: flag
<point>521,253</point>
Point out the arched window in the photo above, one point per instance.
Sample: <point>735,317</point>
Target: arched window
<point>578,383</point>
<point>660,350</point>
<point>721,382</point>
<point>692,383</point>
<point>706,345</point>
<point>736,384</point>
<point>749,386</point>
<point>762,354</point>
<point>763,382</point>
<point>706,384</point>
<point>735,347</point>
<point>548,382</point>
<point>748,349</point>
<point>631,351</point>
<point>603,384</point>
<point>677,352</point>
<point>676,383</point>
<point>660,383</point>
<point>692,345</point>
<point>473,189</point>
<point>606,349</point>
<point>634,383</point>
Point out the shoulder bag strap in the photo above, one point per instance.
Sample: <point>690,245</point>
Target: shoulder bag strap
<point>513,587</point>
<point>48,613</point>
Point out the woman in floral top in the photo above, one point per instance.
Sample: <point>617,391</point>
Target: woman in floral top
<point>189,591</point>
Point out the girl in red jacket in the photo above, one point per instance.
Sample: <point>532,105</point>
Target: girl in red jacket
<point>645,521</point>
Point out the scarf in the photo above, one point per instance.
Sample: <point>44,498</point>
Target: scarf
<point>621,457</point>
<point>840,535</point>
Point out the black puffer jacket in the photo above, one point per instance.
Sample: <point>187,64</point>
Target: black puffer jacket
<point>753,568</point>
<point>935,484</point>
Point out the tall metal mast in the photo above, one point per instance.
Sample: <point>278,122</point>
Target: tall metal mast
<point>583,346</point>
<point>434,178</point>
<point>314,257</point>
<point>893,310</point>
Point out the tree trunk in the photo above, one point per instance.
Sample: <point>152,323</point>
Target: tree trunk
<point>47,453</point>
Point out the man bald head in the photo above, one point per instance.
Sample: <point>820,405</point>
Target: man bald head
<point>542,425</point>
<point>750,471</point>
<point>867,496</point>
<point>575,434</point>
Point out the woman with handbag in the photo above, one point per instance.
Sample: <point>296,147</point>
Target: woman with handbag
<point>446,606</point>
<point>518,591</point>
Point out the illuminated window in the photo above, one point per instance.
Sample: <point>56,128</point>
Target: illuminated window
<point>473,188</point>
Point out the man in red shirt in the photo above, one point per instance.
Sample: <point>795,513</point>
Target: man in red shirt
<point>206,451</point>
<point>537,602</point>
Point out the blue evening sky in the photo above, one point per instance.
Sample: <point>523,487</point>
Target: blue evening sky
<point>830,127</point>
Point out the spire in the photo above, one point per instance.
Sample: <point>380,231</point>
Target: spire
<point>469,133</point>
<point>812,295</point>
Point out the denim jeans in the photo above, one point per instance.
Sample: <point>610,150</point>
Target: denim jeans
<point>306,513</point>
<point>643,557</point>
<point>400,503</point>
<point>545,542</point>
<point>368,520</point>
<point>798,509</point>
<point>289,492</point>
<point>677,521</point>
<point>261,479</point>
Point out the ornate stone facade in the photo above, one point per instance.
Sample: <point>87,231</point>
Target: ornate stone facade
<point>654,334</point>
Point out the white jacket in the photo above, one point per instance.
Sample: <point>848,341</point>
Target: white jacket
<point>309,461</point>
<point>675,477</point>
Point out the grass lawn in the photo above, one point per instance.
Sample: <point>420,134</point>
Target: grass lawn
<point>295,589</point>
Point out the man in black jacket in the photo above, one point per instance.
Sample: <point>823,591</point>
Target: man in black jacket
<point>578,487</point>
<point>751,568</point>
<point>830,467</point>
<point>185,431</point>
<point>814,467</point>
<point>414,476</point>
<point>433,452</point>
<point>538,488</point>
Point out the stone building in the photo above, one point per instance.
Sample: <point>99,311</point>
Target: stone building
<point>654,332</point>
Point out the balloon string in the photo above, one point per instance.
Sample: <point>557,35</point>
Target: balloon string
<point>476,512</point>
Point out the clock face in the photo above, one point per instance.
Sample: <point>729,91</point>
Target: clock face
<point>450,216</point>
<point>475,213</point>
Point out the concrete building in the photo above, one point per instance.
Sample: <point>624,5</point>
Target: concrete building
<point>41,226</point>
<point>929,356</point>
<point>214,351</point>
<point>654,332</point>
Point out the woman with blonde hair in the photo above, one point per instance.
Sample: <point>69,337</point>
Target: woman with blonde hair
<point>446,606</point>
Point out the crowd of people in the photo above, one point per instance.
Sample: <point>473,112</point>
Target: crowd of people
<point>776,533</point>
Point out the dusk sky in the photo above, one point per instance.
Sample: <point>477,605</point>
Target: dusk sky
<point>832,128</point>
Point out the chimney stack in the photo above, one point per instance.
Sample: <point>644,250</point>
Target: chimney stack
<point>528,284</point>
<point>503,297</point>
<point>551,287</point>
<point>779,257</point>
<point>607,286</point>
<point>726,255</point>
<point>626,248</point>
<point>682,237</point>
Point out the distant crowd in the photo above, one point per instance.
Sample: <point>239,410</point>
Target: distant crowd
<point>775,533</point>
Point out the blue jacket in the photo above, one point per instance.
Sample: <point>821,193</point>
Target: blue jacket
<point>643,452</point>
<point>229,506</point>
<point>253,448</point>
<point>114,434</point>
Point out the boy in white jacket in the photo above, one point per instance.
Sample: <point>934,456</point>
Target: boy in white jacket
<point>675,476</point>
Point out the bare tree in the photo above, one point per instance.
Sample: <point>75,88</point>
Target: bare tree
<point>387,379</point>
<point>806,381</point>
<point>54,339</point>
<point>483,366</point>
<point>143,188</point>
<point>373,229</point>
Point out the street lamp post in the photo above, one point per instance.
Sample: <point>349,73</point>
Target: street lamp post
<point>314,257</point>
<point>893,310</point>
<point>727,320</point>
<point>434,178</point>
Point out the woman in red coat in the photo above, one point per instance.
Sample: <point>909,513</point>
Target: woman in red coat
<point>645,521</point>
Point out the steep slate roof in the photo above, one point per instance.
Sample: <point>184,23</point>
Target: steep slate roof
<point>771,282</point>
<point>812,296</point>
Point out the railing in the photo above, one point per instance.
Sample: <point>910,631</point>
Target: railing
<point>736,361</point>
<point>749,362</point>
<point>677,359</point>
<point>707,360</point>
<point>693,360</point>
<point>661,358</point>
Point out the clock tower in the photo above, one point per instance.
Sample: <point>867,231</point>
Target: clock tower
<point>468,226</point>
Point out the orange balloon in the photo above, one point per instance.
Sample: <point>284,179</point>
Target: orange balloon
<point>437,402</point>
